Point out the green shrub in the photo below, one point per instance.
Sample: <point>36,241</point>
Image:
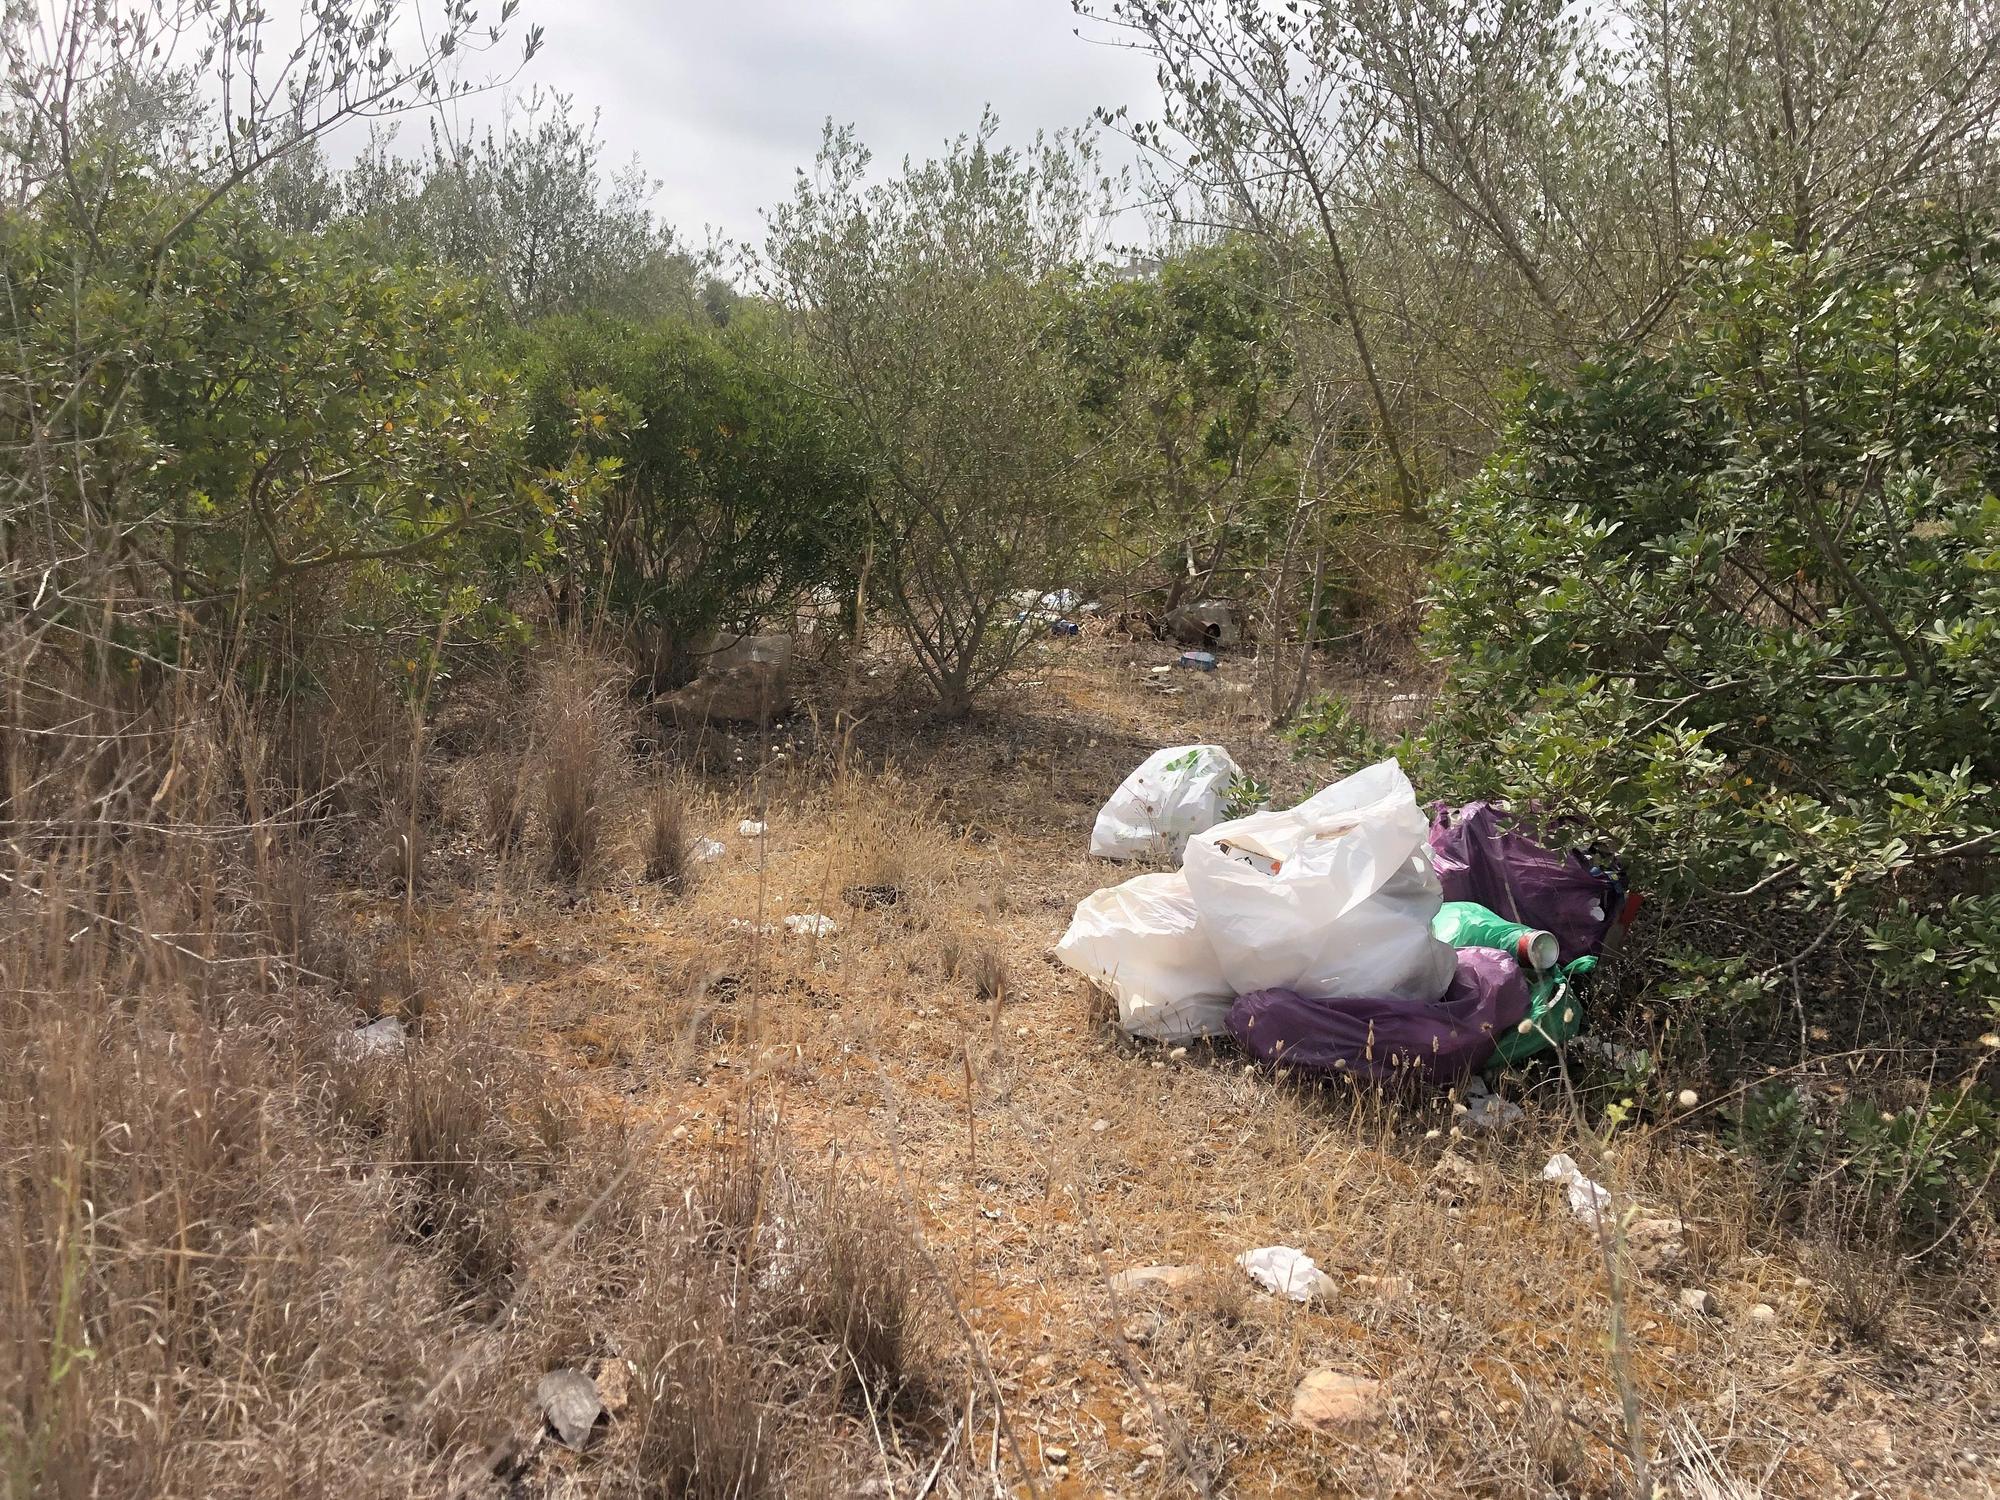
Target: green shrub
<point>1736,607</point>
<point>709,488</point>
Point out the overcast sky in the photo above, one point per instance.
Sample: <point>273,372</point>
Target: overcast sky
<point>723,100</point>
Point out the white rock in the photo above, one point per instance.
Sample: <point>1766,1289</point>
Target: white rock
<point>1699,1300</point>
<point>570,1401</point>
<point>1330,1400</point>
<point>1140,1278</point>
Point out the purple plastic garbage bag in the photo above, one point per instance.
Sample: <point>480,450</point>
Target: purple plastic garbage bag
<point>1479,856</point>
<point>1381,1039</point>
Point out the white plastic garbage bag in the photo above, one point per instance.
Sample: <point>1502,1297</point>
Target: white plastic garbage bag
<point>1142,942</point>
<point>1331,899</point>
<point>1176,793</point>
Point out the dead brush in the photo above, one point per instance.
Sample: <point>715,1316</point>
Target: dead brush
<point>503,802</point>
<point>700,1424</point>
<point>577,750</point>
<point>670,862</point>
<point>454,1150</point>
<point>975,961</point>
<point>869,1297</point>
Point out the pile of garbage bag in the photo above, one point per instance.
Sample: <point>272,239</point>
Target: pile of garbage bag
<point>1351,934</point>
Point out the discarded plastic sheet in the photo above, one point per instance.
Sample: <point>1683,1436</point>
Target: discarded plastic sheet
<point>1482,856</point>
<point>1333,897</point>
<point>570,1401</point>
<point>1198,661</point>
<point>1143,942</point>
<point>1174,794</point>
<point>1485,1110</point>
<point>1382,1038</point>
<point>1590,1201</point>
<point>811,924</point>
<point>382,1035</point>
<point>1285,1272</point>
<point>707,850</point>
<point>750,828</point>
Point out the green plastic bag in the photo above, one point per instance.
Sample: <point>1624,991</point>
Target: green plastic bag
<point>1467,924</point>
<point>1554,1012</point>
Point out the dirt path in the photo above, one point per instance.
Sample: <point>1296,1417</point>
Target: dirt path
<point>1042,1153</point>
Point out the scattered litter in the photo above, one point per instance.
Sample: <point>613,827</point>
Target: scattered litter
<point>811,924</point>
<point>569,1400</point>
<point>1329,1400</point>
<point>750,828</point>
<point>762,929</point>
<point>1285,1272</point>
<point>1611,1052</point>
<point>1198,661</point>
<point>1063,627</point>
<point>1699,1300</point>
<point>1156,671</point>
<point>1589,1201</point>
<point>381,1035</point>
<point>1139,1278</point>
<point>1174,794</point>
<point>707,850</point>
<point>1485,1110</point>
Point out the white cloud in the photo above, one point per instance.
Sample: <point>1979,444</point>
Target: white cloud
<point>723,102</point>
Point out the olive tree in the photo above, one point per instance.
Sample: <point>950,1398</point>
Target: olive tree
<point>929,306</point>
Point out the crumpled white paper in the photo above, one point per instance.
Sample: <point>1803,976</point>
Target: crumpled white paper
<point>1286,1272</point>
<point>1590,1201</point>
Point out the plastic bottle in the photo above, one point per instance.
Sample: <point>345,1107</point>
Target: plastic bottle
<point>1467,924</point>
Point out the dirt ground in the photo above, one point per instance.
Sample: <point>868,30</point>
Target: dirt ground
<point>931,1042</point>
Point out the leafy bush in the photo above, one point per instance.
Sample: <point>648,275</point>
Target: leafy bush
<point>1737,607</point>
<point>707,487</point>
<point>269,431</point>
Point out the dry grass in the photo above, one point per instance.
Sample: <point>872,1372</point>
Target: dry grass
<point>772,1173</point>
<point>670,841</point>
<point>578,762</point>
